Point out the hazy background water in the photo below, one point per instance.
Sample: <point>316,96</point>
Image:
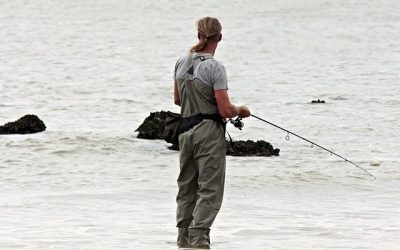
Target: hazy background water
<point>93,70</point>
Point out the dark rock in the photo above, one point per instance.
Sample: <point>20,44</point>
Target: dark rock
<point>245,148</point>
<point>251,148</point>
<point>27,124</point>
<point>318,101</point>
<point>153,126</point>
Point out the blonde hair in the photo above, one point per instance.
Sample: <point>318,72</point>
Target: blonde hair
<point>208,29</point>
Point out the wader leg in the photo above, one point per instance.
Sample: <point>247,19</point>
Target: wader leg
<point>199,238</point>
<point>209,152</point>
<point>183,237</point>
<point>187,182</point>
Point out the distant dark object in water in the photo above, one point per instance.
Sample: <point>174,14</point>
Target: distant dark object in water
<point>251,148</point>
<point>27,124</point>
<point>153,128</point>
<point>318,101</point>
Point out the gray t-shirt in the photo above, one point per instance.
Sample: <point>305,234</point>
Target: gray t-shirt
<point>209,71</point>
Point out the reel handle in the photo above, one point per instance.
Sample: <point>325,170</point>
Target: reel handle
<point>237,123</point>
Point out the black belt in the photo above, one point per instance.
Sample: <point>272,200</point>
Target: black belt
<point>189,122</point>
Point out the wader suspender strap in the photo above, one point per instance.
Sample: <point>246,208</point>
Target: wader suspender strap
<point>190,89</point>
<point>189,85</point>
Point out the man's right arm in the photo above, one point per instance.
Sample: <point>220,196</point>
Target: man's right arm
<point>226,108</point>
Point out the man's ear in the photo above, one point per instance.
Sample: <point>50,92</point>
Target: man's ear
<point>198,36</point>
<point>219,37</point>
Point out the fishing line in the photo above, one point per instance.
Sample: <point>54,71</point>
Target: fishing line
<point>312,144</point>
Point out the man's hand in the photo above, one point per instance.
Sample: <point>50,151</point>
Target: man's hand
<point>244,111</point>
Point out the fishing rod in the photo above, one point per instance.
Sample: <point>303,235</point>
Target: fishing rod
<point>239,123</point>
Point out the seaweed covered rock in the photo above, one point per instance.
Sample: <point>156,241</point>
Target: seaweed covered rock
<point>246,148</point>
<point>153,126</point>
<point>27,124</point>
<point>251,148</point>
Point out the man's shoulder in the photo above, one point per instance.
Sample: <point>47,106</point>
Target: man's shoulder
<point>210,61</point>
<point>181,60</point>
<point>214,64</point>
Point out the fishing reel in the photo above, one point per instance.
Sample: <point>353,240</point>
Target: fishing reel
<point>237,123</point>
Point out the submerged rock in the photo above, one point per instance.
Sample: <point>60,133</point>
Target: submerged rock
<point>251,148</point>
<point>245,148</point>
<point>153,128</point>
<point>27,124</point>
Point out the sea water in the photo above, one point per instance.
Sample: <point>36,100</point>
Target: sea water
<point>93,70</point>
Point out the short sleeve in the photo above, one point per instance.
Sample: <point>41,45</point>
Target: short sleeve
<point>220,80</point>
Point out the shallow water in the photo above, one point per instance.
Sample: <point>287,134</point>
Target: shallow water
<point>94,70</point>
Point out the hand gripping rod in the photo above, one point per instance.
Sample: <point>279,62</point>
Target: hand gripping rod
<point>313,143</point>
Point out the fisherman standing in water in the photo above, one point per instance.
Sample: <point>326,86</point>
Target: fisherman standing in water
<point>200,89</point>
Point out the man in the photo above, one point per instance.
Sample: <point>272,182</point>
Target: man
<point>201,90</point>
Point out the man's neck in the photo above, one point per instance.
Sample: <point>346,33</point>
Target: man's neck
<point>209,49</point>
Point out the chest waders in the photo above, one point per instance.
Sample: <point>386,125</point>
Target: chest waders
<point>202,162</point>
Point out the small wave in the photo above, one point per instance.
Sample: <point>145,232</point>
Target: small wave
<point>340,98</point>
<point>63,152</point>
<point>11,246</point>
<point>126,100</point>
